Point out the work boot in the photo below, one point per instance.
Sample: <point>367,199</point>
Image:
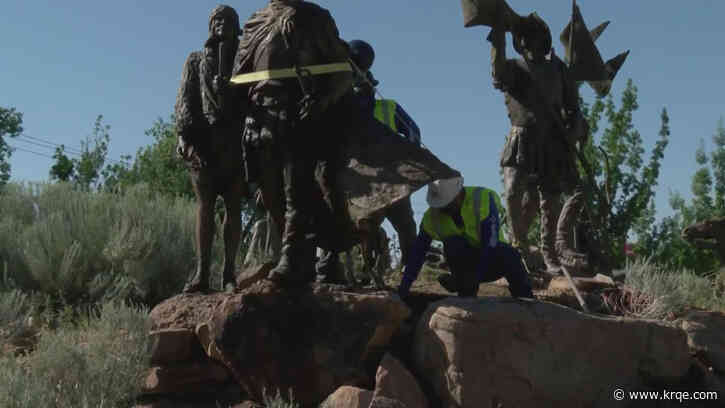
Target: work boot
<point>199,283</point>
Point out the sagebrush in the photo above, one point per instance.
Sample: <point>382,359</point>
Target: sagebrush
<point>95,246</point>
<point>94,362</point>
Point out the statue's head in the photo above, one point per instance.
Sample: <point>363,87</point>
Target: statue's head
<point>224,23</point>
<point>532,38</point>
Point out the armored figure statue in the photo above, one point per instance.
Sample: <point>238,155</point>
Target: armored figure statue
<point>290,135</point>
<point>538,160</point>
<point>208,123</point>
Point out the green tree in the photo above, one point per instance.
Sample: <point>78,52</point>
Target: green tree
<point>158,164</point>
<point>94,150</point>
<point>85,171</point>
<point>62,169</point>
<point>664,243</point>
<point>618,184</point>
<point>11,123</point>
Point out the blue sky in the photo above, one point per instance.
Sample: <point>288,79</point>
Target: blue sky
<point>63,63</point>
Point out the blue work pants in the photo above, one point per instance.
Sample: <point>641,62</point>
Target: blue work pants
<point>503,261</point>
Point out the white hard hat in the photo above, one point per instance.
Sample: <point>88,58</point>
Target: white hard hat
<point>442,192</point>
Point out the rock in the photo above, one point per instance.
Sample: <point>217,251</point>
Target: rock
<point>185,378</point>
<point>310,340</point>
<point>173,345</point>
<point>185,311</point>
<point>349,397</point>
<point>706,336</point>
<point>598,282</point>
<point>204,337</point>
<point>253,274</point>
<point>521,353</point>
<point>394,381</point>
<point>385,402</point>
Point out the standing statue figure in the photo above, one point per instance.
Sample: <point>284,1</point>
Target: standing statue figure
<point>208,123</point>
<point>290,138</point>
<point>538,160</point>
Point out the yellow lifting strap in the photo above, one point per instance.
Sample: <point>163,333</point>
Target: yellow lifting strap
<point>290,72</point>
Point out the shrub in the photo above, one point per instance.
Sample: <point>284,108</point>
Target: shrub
<point>99,362</point>
<point>652,292</point>
<point>91,247</point>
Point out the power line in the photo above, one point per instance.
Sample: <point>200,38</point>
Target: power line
<point>51,145</point>
<point>36,144</point>
<point>30,151</point>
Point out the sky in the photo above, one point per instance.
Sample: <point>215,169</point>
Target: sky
<point>64,63</point>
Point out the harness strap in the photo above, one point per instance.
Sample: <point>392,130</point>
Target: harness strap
<point>290,72</point>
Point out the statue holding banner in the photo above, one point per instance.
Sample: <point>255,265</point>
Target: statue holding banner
<point>539,159</point>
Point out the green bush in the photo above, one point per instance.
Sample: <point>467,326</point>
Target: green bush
<point>98,362</point>
<point>93,246</point>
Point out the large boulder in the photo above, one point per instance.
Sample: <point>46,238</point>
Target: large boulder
<point>184,378</point>
<point>311,341</point>
<point>349,397</point>
<point>185,311</point>
<point>169,346</point>
<point>520,353</point>
<point>706,336</point>
<point>596,283</point>
<point>394,381</point>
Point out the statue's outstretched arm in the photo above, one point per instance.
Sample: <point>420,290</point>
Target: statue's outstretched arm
<point>499,70</point>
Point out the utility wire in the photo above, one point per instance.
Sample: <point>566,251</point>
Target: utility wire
<point>30,151</point>
<point>36,140</point>
<point>41,145</point>
<point>50,145</point>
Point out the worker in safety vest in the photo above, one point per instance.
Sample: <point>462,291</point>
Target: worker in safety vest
<point>387,111</point>
<point>390,113</point>
<point>467,221</point>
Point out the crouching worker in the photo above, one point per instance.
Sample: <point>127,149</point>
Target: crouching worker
<point>466,220</point>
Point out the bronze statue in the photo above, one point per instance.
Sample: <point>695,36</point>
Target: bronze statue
<point>289,137</point>
<point>208,123</point>
<point>538,161</point>
<point>541,91</point>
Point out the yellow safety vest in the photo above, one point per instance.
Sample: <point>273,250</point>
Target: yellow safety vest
<point>475,208</point>
<point>385,112</point>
